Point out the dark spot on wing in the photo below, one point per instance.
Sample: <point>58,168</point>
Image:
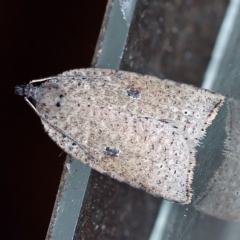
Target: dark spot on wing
<point>134,93</point>
<point>113,152</point>
<point>90,158</point>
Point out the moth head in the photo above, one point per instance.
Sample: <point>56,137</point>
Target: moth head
<point>28,90</point>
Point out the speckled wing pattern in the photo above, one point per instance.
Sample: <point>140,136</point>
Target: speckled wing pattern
<point>136,128</point>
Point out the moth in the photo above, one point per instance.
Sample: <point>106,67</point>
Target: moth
<point>138,129</point>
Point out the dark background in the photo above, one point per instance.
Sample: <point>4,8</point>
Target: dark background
<point>37,39</point>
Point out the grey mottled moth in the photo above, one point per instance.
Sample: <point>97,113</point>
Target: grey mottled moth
<point>136,128</point>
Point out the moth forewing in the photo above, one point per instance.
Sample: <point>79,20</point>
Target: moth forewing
<point>138,129</point>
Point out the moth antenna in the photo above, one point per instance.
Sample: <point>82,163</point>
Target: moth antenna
<point>32,106</point>
<point>40,80</point>
<point>45,120</point>
<point>61,131</point>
